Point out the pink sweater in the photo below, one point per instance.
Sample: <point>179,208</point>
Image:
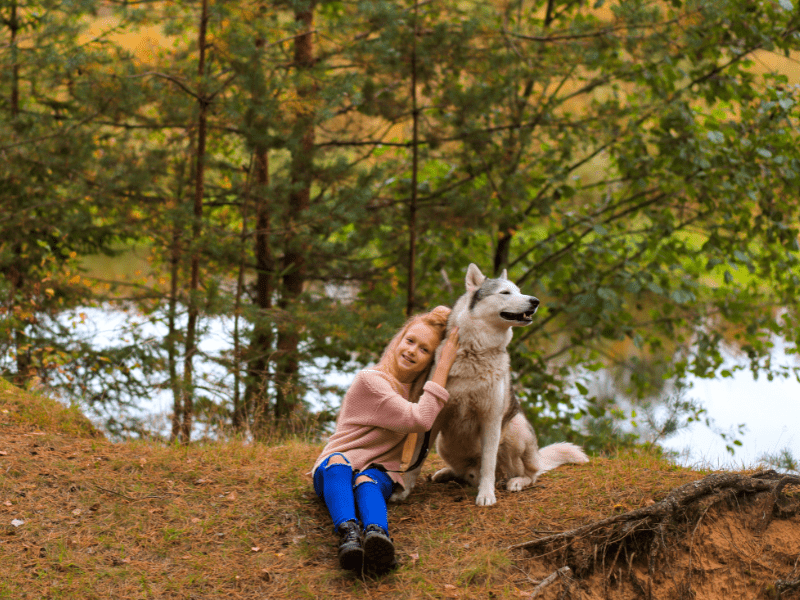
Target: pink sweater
<point>374,421</point>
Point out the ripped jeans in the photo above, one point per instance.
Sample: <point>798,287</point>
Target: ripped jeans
<point>345,491</point>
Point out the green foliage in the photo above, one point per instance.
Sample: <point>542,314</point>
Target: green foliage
<point>631,163</point>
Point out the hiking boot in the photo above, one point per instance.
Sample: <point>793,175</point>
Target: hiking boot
<point>378,549</point>
<point>351,552</point>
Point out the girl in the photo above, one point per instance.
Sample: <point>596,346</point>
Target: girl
<point>356,471</point>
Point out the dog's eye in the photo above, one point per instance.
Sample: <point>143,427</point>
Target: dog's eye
<point>505,292</point>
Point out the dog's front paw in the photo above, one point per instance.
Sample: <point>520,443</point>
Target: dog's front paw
<point>486,498</point>
<point>516,484</point>
<point>399,495</point>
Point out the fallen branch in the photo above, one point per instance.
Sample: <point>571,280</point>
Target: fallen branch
<point>562,572</point>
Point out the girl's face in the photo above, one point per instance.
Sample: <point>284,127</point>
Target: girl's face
<point>415,351</point>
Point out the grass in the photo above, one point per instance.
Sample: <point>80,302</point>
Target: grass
<point>39,412</point>
<point>231,520</point>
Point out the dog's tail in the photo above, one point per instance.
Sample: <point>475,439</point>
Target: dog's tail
<point>554,455</point>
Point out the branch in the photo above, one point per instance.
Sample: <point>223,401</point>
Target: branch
<point>562,572</point>
<point>171,78</point>
<point>599,33</point>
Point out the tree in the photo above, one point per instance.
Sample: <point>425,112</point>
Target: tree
<point>626,161</point>
<point>50,130</point>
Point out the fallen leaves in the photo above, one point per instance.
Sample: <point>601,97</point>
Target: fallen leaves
<point>450,591</point>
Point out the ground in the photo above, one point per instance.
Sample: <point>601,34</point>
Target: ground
<point>81,517</point>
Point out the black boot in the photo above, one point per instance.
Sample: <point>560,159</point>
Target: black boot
<point>378,549</point>
<point>351,552</point>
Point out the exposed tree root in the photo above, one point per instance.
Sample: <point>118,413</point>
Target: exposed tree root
<point>647,534</point>
<point>785,586</point>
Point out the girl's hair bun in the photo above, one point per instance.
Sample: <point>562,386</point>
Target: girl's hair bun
<point>438,317</point>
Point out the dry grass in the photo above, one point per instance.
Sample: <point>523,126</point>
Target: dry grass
<point>231,520</point>
<point>31,410</point>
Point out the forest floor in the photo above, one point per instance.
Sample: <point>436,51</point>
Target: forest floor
<point>81,517</point>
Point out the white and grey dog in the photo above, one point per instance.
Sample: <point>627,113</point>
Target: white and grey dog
<point>480,431</point>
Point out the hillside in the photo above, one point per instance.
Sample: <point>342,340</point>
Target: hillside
<point>81,517</point>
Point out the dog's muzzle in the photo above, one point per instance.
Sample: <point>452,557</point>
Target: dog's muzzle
<point>525,317</point>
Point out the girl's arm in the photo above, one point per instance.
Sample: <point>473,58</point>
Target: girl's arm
<point>446,358</point>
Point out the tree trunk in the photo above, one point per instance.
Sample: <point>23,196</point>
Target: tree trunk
<point>16,277</point>
<point>13,26</point>
<point>194,285</point>
<point>173,337</point>
<point>296,240</point>
<point>507,232</point>
<point>261,344</point>
<point>412,212</point>
<point>240,413</point>
<point>501,252</point>
<point>172,334</point>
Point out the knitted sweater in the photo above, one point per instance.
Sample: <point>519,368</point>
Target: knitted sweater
<point>375,419</point>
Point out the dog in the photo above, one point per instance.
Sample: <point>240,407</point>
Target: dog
<point>480,432</point>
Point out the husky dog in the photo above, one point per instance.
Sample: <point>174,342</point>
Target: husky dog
<point>480,431</point>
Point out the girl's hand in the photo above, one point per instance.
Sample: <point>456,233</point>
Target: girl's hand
<point>446,358</point>
<point>449,349</point>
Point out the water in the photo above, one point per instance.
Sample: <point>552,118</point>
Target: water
<point>770,410</point>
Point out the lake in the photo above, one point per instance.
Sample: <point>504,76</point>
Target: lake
<point>770,410</point>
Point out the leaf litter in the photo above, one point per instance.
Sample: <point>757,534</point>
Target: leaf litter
<point>233,520</point>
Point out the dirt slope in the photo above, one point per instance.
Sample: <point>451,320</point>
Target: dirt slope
<point>725,536</point>
<point>81,517</point>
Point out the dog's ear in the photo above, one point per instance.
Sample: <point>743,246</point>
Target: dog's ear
<point>474,277</point>
<point>504,274</point>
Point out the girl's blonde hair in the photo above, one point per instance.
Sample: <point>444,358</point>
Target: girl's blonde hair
<point>436,320</point>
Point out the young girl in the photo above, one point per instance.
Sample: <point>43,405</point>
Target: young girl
<point>356,471</point>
